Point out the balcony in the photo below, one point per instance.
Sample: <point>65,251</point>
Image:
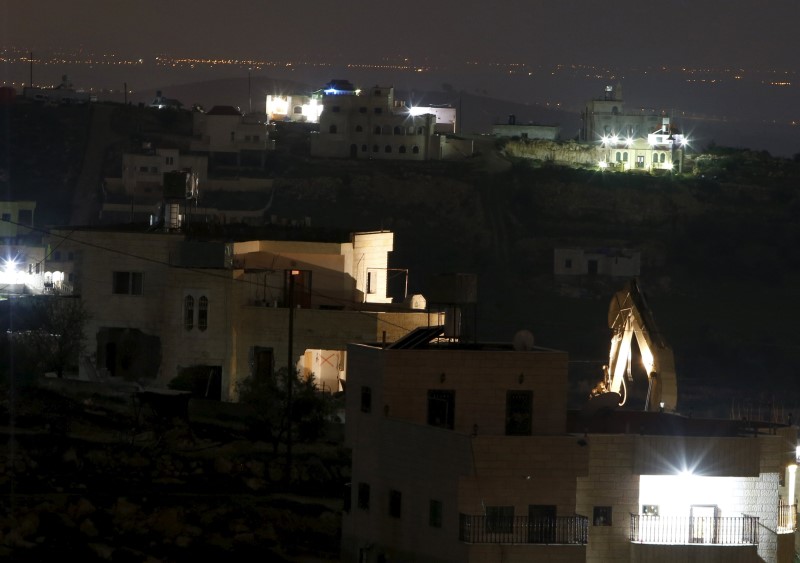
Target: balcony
<point>716,530</point>
<point>787,518</point>
<point>564,530</point>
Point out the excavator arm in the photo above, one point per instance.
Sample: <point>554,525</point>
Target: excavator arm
<point>629,317</point>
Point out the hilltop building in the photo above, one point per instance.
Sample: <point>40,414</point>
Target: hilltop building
<point>531,131</point>
<point>62,94</point>
<point>163,304</point>
<point>230,136</point>
<point>466,452</point>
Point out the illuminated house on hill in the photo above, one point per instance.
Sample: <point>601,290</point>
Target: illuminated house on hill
<point>644,141</point>
<point>466,452</point>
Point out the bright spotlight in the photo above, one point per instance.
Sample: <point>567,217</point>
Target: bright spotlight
<point>10,265</point>
<point>614,140</point>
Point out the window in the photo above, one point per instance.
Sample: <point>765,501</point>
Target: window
<point>420,130</point>
<point>297,109</point>
<point>378,110</point>
<point>256,138</point>
<point>395,503</point>
<point>335,109</point>
<point>655,158</point>
<point>500,519</point>
<point>568,263</point>
<point>377,93</point>
<point>70,255</point>
<point>650,510</point>
<point>415,149</point>
<point>663,156</point>
<point>387,148</point>
<point>126,283</point>
<point>619,156</point>
<point>441,408</point>
<point>143,169</point>
<point>519,413</point>
<point>202,313</point>
<point>188,312</point>
<point>57,255</point>
<point>362,109</point>
<point>377,130</point>
<point>601,516</point>
<point>366,399</point>
<point>346,497</point>
<point>375,148</point>
<point>625,157</point>
<point>363,148</point>
<point>435,514</point>
<point>398,130</point>
<point>332,129</point>
<point>169,160</point>
<point>402,149</point>
<point>363,496</point>
<point>371,283</point>
<point>640,161</point>
<point>359,129</point>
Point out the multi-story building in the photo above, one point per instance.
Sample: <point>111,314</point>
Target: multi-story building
<point>225,130</point>
<point>162,303</point>
<point>644,141</point>
<point>143,171</point>
<point>466,452</point>
<point>372,124</point>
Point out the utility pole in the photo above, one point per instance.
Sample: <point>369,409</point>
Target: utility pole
<point>30,60</point>
<point>290,378</point>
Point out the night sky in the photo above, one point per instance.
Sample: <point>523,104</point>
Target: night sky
<point>739,33</point>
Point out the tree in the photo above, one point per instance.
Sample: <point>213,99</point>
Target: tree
<point>56,329</point>
<point>268,401</point>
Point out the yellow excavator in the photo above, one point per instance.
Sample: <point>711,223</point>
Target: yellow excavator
<point>629,315</point>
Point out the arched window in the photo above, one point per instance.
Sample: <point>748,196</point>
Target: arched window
<point>619,157</point>
<point>387,148</point>
<point>415,149</point>
<point>298,109</point>
<point>420,130</point>
<point>398,130</point>
<point>410,130</point>
<point>387,130</point>
<point>655,158</point>
<point>377,130</point>
<point>402,149</point>
<point>625,156</point>
<point>363,148</point>
<point>188,312</point>
<point>359,129</point>
<point>375,148</point>
<point>332,129</point>
<point>202,313</point>
<point>663,157</point>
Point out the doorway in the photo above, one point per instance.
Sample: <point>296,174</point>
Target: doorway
<point>703,523</point>
<point>541,523</point>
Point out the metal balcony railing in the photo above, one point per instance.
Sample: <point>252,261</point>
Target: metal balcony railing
<point>727,530</point>
<point>522,529</point>
<point>787,518</point>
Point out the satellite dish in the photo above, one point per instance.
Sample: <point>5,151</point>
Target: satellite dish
<point>523,340</point>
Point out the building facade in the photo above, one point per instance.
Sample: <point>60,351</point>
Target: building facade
<point>467,453</point>
<point>372,125</point>
<point>161,304</point>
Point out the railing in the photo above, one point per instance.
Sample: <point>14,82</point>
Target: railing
<point>522,529</point>
<point>787,518</point>
<point>728,530</point>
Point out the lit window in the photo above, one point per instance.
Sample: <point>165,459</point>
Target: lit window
<point>188,312</point>
<point>202,313</point>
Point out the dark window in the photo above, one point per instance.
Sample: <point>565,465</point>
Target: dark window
<point>169,160</point>
<point>375,148</point>
<point>420,130</point>
<point>519,411</point>
<point>441,408</point>
<point>378,110</point>
<point>256,138</point>
<point>568,263</point>
<point>25,217</point>
<point>625,157</point>
<point>70,255</point>
<point>202,313</point>
<point>332,129</point>
<point>415,149</point>
<point>402,149</point>
<point>6,217</point>
<point>188,312</point>
<point>663,156</point>
<point>347,500</point>
<point>56,254</point>
<point>143,169</point>
<point>297,109</point>
<point>126,283</point>
<point>359,129</point>
<point>395,503</point>
<point>363,148</point>
<point>362,109</point>
<point>371,282</point>
<point>499,519</point>
<point>363,496</point>
<point>387,148</point>
<point>601,516</point>
<point>335,109</point>
<point>377,92</point>
<point>435,514</point>
<point>398,130</point>
<point>366,399</point>
<point>592,267</point>
<point>377,130</point>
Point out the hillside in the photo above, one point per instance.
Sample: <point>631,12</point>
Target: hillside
<point>718,246</point>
